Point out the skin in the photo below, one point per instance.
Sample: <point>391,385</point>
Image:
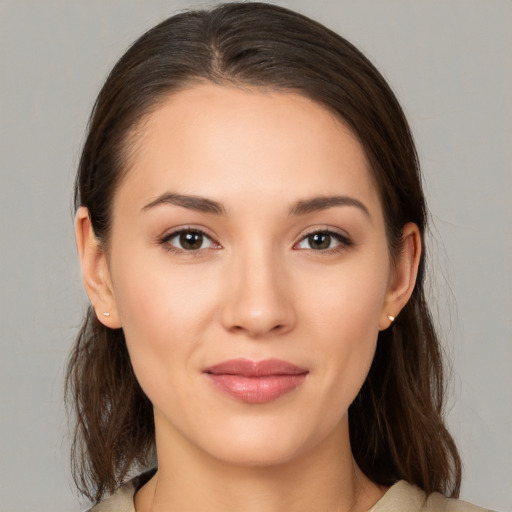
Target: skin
<point>256,288</point>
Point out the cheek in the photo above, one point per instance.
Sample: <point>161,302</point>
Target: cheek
<point>345,314</point>
<point>155,296</point>
<point>348,302</point>
<point>162,310</point>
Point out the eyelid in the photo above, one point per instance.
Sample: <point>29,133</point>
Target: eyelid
<point>169,235</point>
<point>343,239</point>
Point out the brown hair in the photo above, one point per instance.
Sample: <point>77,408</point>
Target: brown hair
<point>396,422</point>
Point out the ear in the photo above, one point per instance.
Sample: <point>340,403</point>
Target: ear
<point>95,272</point>
<point>403,276</point>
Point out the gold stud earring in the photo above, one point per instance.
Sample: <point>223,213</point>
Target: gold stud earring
<point>391,318</point>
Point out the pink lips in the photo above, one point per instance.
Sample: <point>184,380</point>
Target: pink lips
<point>256,382</point>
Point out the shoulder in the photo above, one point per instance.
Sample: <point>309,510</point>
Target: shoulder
<point>404,497</point>
<point>437,501</point>
<point>122,499</point>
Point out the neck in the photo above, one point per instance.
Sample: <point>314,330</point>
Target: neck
<point>325,478</point>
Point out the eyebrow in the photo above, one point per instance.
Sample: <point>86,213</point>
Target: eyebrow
<point>323,202</point>
<point>200,204</point>
<point>301,207</point>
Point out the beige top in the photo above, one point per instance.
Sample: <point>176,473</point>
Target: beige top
<point>401,497</point>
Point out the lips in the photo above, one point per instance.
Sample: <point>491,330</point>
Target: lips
<point>256,382</point>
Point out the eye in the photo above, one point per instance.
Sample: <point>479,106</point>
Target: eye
<point>189,240</point>
<point>324,241</point>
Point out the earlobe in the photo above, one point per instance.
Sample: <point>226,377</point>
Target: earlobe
<point>403,277</point>
<point>95,272</point>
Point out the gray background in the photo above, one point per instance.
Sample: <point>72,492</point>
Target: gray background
<point>449,62</point>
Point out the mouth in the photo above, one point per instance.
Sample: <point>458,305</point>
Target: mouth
<point>256,382</point>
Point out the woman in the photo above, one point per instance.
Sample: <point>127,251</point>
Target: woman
<point>250,223</point>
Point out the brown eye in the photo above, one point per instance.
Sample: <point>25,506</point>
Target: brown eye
<point>191,240</point>
<point>324,241</point>
<point>188,240</point>
<point>319,241</point>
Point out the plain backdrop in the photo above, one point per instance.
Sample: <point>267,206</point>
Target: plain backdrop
<point>449,61</point>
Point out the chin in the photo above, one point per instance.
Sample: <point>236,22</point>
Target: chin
<point>257,455</point>
<point>263,442</point>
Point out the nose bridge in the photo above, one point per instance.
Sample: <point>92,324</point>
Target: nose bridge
<point>258,300</point>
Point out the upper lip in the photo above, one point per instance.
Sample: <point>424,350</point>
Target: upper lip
<point>248,368</point>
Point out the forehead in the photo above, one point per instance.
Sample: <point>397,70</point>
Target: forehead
<point>214,140</point>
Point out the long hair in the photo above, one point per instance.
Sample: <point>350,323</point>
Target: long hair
<point>396,422</point>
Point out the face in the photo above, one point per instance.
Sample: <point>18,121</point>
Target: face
<point>249,268</point>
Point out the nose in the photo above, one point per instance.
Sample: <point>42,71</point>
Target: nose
<point>259,299</point>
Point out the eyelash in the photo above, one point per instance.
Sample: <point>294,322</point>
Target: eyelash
<point>164,241</point>
<point>344,242</point>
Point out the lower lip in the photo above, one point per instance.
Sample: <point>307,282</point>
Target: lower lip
<point>256,390</point>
